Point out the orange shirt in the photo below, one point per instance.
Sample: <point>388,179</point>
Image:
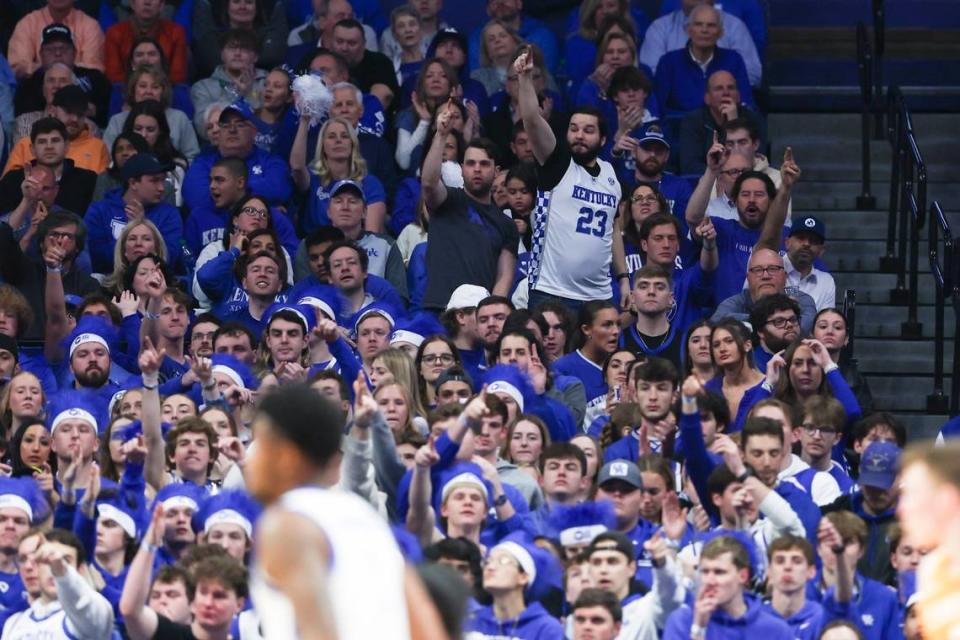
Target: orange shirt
<point>86,152</point>
<point>23,53</point>
<point>171,36</point>
<point>938,596</point>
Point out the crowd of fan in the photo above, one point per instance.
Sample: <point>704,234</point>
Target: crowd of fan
<point>647,427</point>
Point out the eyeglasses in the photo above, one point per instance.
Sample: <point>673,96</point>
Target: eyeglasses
<point>61,235</point>
<point>502,561</point>
<point>651,199</point>
<point>780,323</point>
<point>442,358</point>
<point>732,173</point>
<point>259,214</point>
<point>772,270</point>
<point>812,429</point>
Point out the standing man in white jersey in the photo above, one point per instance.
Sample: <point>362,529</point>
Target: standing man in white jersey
<point>575,234</point>
<point>327,563</point>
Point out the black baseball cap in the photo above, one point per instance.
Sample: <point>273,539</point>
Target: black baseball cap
<point>71,98</point>
<point>142,164</point>
<point>56,32</point>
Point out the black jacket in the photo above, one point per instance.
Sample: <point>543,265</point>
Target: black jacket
<point>76,189</point>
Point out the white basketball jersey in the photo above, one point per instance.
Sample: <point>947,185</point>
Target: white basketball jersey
<point>28,625</point>
<point>573,234</point>
<point>366,573</point>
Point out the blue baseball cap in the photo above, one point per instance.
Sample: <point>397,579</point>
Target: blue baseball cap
<point>239,107</point>
<point>809,224</point>
<point>143,164</point>
<point>878,465</point>
<point>352,185</point>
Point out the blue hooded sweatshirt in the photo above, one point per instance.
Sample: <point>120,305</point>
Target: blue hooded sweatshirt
<point>757,622</point>
<point>534,623</point>
<point>268,177</point>
<point>106,218</point>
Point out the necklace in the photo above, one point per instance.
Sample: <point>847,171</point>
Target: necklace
<point>652,351</point>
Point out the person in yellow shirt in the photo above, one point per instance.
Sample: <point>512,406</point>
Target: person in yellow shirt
<point>87,152</point>
<point>929,512</point>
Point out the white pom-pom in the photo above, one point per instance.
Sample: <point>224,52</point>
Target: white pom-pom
<point>312,97</point>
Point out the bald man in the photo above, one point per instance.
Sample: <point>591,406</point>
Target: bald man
<point>721,103</point>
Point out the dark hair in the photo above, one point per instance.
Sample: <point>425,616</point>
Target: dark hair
<point>224,570</point>
<point>13,450</point>
<point>444,412</point>
<point>349,244</point>
<point>330,374</point>
<point>784,389</point>
<point>563,313</point>
<point>521,318</point>
<point>15,303</point>
<point>304,65</point>
<point>761,427</point>
<point>418,360</point>
<point>740,335</point>
<point>321,235</point>
<point>240,39</point>
<point>740,123</point>
<point>594,597</point>
<point>620,541</point>
<point>138,143</point>
<point>631,232</point>
<point>232,329</point>
<point>606,363</point>
<point>714,403</point>
<point>173,573</point>
<point>486,145</point>
<point>754,175</point>
<point>627,78</point>
<point>164,64</point>
<point>163,148</point>
<point>100,298</point>
<point>192,424</point>
<point>461,550</point>
<point>238,209</point>
<point>60,218</point>
<point>245,260</point>
<point>658,219</point>
<point>66,538</point>
<point>769,305</point>
<point>349,23</point>
<point>236,166</point>
<point>864,426</point>
<point>657,370</point>
<point>720,478</point>
<point>587,314</point>
<point>652,271</point>
<point>318,439</point>
<point>602,125</point>
<point>449,72</point>
<point>562,451</point>
<point>47,124</point>
<point>790,542</point>
<point>131,270</point>
<point>687,360</point>
<point>205,317</point>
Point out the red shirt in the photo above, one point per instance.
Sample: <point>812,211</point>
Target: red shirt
<point>171,36</point>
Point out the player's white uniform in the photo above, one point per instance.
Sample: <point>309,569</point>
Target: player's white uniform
<point>33,625</point>
<point>573,226</point>
<point>365,580</point>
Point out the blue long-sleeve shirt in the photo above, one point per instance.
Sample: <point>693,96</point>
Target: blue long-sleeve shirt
<point>106,218</point>
<point>681,82</point>
<point>268,176</point>
<point>532,31</point>
<point>207,224</point>
<point>756,622</point>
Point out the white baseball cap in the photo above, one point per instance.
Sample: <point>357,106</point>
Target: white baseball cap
<point>467,296</point>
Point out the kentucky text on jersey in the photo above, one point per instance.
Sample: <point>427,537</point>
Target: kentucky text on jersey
<point>594,197</point>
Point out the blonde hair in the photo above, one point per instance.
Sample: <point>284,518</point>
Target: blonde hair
<point>6,415</point>
<point>358,166</point>
<point>114,281</point>
<point>408,426</point>
<point>404,372</point>
<point>610,37</point>
<point>589,28</point>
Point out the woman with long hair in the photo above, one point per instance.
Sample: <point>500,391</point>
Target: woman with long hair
<point>137,239</point>
<point>830,328</point>
<point>23,400</point>
<point>112,455</point>
<point>31,450</point>
<point>125,146</point>
<point>498,44</point>
<point>151,83</point>
<point>806,369</point>
<point>437,83</point>
<point>148,119</point>
<point>561,327</point>
<point>697,355</point>
<point>527,437</point>
<point>644,201</point>
<point>436,354</point>
<point>738,380</point>
<point>213,18</point>
<point>337,157</point>
<point>615,371</point>
<point>598,336</point>
<point>394,364</point>
<point>396,405</point>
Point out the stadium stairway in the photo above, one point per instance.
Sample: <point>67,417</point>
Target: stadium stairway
<point>827,147</point>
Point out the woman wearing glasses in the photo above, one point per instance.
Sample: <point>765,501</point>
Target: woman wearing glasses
<point>436,355</point>
<point>644,201</point>
<point>249,230</point>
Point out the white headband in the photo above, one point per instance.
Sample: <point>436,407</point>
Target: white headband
<point>320,304</point>
<point>402,335</point>
<point>110,512</point>
<point>580,535</point>
<point>229,516</point>
<point>505,387</point>
<point>179,501</point>
<point>87,337</point>
<point>13,501</point>
<point>465,478</point>
<point>373,312</point>
<point>522,556</point>
<point>73,414</point>
<point>230,373</point>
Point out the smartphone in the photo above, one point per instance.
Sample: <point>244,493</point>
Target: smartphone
<point>616,393</point>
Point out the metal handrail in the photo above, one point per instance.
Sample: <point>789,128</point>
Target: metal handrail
<point>879,48</point>
<point>865,201</point>
<point>943,267</point>
<point>849,310</point>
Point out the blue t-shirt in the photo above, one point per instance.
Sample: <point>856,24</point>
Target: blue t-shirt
<point>591,374</point>
<point>735,243</point>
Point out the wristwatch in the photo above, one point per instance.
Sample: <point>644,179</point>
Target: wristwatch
<point>502,500</point>
<point>743,476</point>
